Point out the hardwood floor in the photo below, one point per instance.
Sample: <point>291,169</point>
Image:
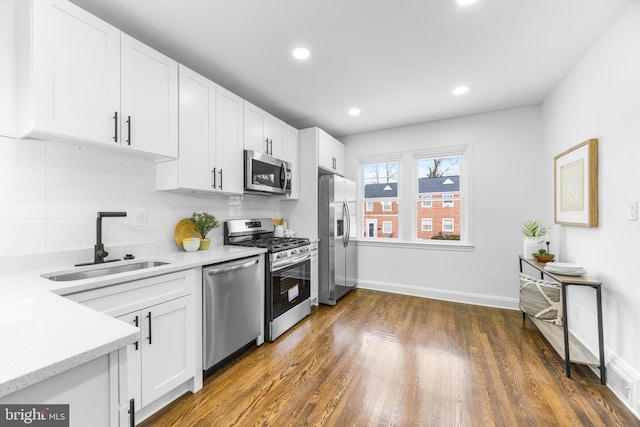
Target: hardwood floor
<point>380,359</point>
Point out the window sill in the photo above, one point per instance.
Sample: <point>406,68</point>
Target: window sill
<point>439,246</point>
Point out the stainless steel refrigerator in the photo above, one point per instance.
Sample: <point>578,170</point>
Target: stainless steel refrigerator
<point>337,229</point>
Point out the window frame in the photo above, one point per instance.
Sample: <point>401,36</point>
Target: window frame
<point>428,221</point>
<point>408,194</point>
<point>384,224</point>
<point>447,200</point>
<point>362,201</point>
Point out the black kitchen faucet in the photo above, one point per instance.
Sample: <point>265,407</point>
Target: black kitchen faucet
<point>99,253</point>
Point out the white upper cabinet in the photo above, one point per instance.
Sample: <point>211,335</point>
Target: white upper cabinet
<point>210,140</point>
<point>263,132</point>
<point>330,153</point>
<point>68,73</point>
<point>149,103</point>
<point>196,164</point>
<point>229,141</point>
<point>69,68</point>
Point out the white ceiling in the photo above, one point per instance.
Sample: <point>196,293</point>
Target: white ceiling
<point>396,60</point>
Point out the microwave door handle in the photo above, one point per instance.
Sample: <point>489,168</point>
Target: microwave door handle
<point>283,176</point>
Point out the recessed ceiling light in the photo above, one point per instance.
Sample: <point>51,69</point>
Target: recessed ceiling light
<point>301,53</point>
<point>460,90</point>
<point>354,112</point>
<point>466,2</point>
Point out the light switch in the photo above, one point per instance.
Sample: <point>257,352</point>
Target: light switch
<point>141,218</point>
<point>632,210</point>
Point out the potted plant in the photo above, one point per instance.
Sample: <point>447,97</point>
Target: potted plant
<point>203,223</point>
<point>533,232</point>
<point>543,256</point>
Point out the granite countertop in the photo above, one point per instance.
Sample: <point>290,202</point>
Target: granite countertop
<point>44,334</point>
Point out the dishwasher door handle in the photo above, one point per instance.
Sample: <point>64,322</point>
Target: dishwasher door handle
<point>213,271</point>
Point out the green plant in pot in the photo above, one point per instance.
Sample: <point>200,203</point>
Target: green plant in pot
<point>203,223</point>
<point>533,232</point>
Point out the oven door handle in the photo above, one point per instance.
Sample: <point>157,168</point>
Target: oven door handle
<point>222,270</point>
<point>288,263</point>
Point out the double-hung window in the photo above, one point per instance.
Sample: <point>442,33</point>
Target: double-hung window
<point>432,185</point>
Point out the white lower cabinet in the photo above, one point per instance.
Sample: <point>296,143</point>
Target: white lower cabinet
<point>164,357</point>
<point>90,390</point>
<point>167,360</point>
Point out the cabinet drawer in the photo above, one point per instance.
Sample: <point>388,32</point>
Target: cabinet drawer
<point>126,297</point>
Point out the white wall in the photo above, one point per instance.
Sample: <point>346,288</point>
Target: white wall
<point>505,178</point>
<point>600,98</point>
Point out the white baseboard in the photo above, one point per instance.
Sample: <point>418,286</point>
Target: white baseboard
<point>441,294</point>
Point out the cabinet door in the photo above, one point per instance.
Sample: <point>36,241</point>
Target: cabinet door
<point>293,157</point>
<point>168,357</point>
<point>197,131</point>
<point>254,129</point>
<point>229,141</point>
<point>330,153</point>
<point>276,132</point>
<point>133,361</point>
<point>149,99</point>
<point>68,72</point>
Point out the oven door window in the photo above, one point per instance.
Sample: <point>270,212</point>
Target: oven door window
<point>290,286</point>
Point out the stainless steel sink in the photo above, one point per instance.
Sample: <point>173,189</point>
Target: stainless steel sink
<point>101,270</point>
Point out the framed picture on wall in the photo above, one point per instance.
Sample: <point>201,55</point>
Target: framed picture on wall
<point>576,185</point>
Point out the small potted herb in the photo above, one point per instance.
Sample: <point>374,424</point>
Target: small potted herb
<point>543,256</point>
<point>203,223</point>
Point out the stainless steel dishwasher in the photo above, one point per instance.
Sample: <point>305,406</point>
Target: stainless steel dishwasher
<point>233,312</point>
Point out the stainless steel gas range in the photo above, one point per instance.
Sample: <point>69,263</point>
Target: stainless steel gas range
<point>287,275</point>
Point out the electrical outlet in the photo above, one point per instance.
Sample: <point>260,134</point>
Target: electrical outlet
<point>575,312</point>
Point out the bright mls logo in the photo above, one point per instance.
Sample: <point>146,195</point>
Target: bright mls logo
<point>34,415</point>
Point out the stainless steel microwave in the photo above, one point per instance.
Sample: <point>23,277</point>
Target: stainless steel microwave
<point>265,174</point>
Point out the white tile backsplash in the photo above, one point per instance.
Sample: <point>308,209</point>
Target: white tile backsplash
<point>50,194</point>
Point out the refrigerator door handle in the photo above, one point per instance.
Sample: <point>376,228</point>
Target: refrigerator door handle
<point>347,219</point>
